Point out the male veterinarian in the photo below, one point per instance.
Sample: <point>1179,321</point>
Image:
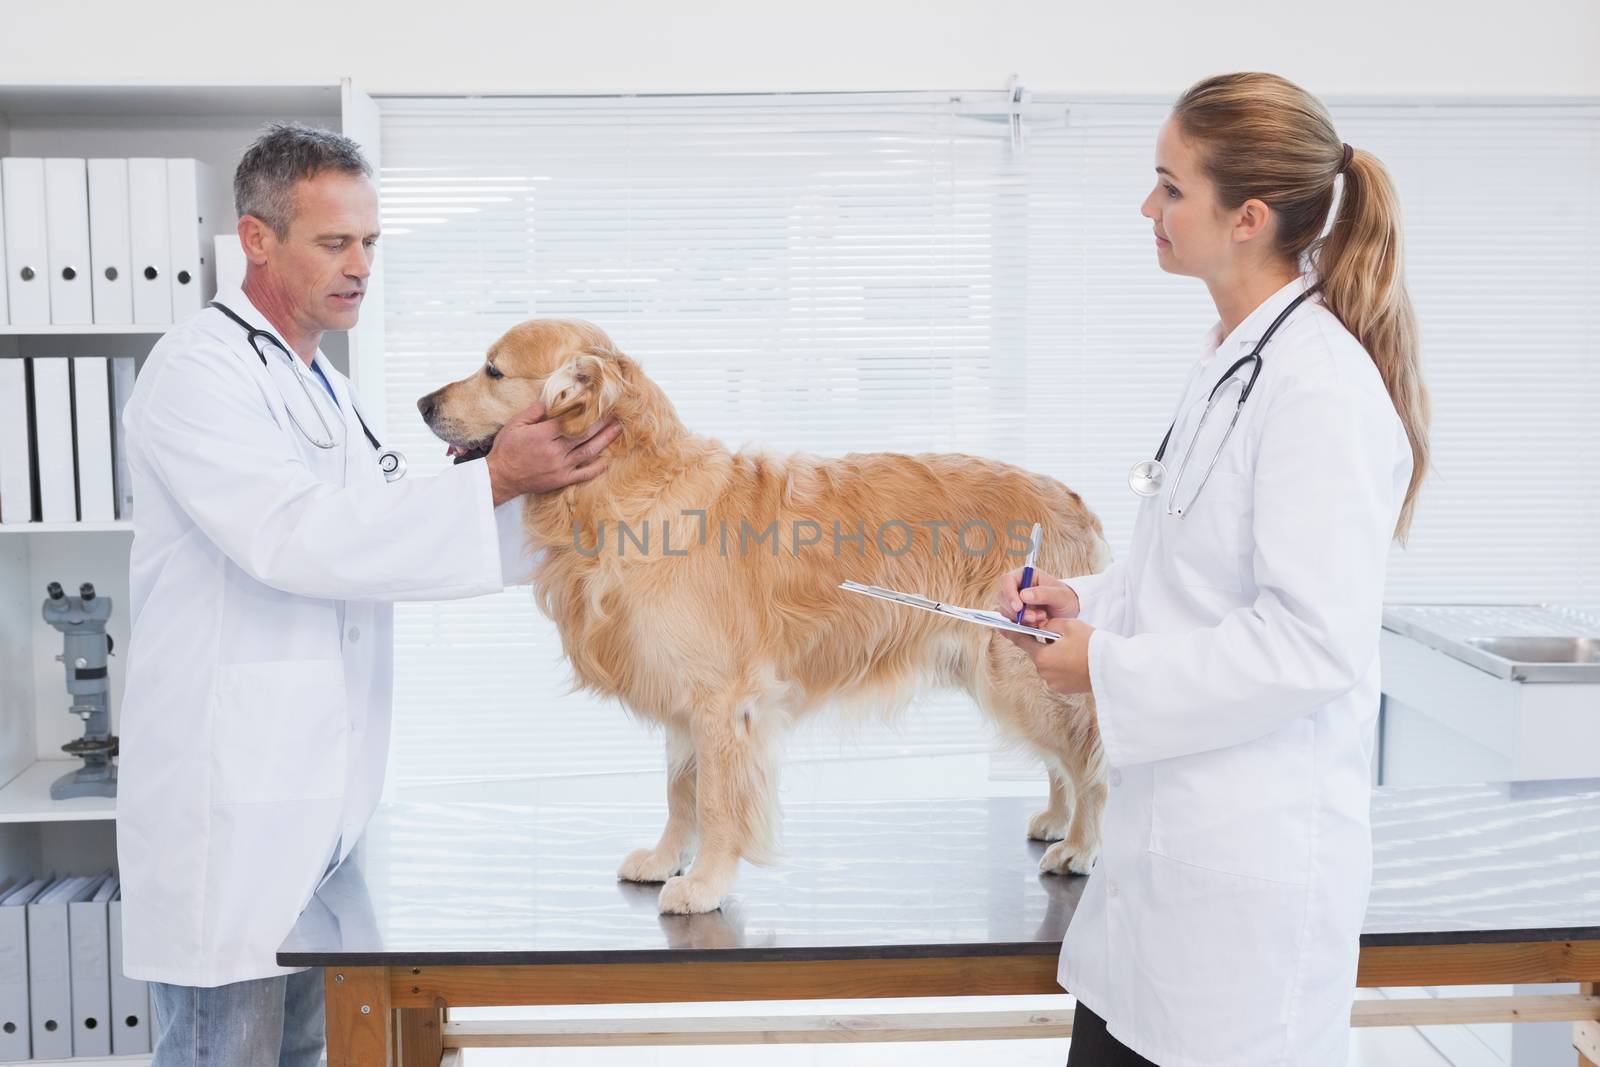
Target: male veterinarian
<point>267,547</point>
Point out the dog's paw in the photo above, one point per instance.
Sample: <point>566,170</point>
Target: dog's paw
<point>648,865</point>
<point>1047,826</point>
<point>686,895</point>
<point>1063,858</point>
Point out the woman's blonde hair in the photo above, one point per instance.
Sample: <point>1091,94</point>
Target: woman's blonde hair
<point>1261,137</point>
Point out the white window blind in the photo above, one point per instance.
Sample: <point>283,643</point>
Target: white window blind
<point>835,273</point>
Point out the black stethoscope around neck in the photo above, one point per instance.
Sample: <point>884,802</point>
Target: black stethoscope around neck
<point>391,462</point>
<point>1149,475</point>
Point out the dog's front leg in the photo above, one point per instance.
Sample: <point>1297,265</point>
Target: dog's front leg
<point>736,801</point>
<point>671,854</point>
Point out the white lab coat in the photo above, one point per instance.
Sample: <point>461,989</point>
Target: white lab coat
<point>1235,671</point>
<point>255,722</point>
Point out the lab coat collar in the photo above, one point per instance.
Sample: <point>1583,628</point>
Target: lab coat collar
<point>234,299</point>
<point>1248,332</point>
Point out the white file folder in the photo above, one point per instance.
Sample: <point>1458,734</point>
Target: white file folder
<point>149,239</point>
<point>5,303</point>
<point>66,201</point>
<point>193,273</point>
<point>52,439</point>
<point>90,966</point>
<point>91,409</point>
<point>16,1036</point>
<point>130,998</point>
<point>50,970</point>
<point>110,255</point>
<point>27,244</point>
<point>230,261</point>
<point>16,443</point>
<point>122,370</point>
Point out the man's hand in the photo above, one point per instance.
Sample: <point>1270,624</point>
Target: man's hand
<point>1063,665</point>
<point>531,456</point>
<point>1047,598</point>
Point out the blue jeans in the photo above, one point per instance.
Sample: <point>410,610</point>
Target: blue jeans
<point>268,1022</point>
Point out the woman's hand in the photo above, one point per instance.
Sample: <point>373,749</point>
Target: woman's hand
<point>1047,598</point>
<point>1063,664</point>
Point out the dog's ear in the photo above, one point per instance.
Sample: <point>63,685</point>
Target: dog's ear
<point>583,390</point>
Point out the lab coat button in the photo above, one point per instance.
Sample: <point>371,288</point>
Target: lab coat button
<point>355,633</point>
<point>1116,776</point>
<point>1111,889</point>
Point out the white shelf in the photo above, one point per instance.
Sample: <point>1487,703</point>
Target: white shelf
<point>84,330</point>
<point>119,526</point>
<point>26,798</point>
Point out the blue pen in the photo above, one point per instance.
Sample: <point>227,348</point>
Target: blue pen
<point>1027,567</point>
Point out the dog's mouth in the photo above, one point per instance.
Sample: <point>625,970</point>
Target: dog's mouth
<point>469,452</point>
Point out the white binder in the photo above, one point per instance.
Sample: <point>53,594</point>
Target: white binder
<point>149,240</point>
<point>5,309</point>
<point>66,201</point>
<point>27,244</point>
<point>130,998</point>
<point>16,443</point>
<point>52,439</point>
<point>230,261</point>
<point>15,1033</point>
<point>193,274</point>
<point>91,409</point>
<point>110,257</point>
<point>50,970</point>
<point>122,370</point>
<point>87,935</point>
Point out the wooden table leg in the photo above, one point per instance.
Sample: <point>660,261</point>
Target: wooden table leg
<point>421,1036</point>
<point>1586,1035</point>
<point>361,1030</point>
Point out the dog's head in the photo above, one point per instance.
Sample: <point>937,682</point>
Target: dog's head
<point>568,364</point>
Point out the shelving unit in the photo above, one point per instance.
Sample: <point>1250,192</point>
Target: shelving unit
<point>213,124</point>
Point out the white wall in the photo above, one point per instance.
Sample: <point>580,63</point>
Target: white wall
<point>1536,47</point>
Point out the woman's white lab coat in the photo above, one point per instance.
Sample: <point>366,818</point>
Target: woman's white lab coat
<point>1235,671</point>
<point>255,722</point>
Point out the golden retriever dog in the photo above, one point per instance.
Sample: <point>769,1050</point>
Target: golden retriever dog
<point>700,587</point>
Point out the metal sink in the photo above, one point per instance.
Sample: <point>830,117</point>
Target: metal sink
<point>1540,649</point>
<point>1523,643</point>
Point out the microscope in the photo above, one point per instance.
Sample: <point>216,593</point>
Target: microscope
<point>82,621</point>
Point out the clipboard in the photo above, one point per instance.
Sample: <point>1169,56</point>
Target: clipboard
<point>983,618</point>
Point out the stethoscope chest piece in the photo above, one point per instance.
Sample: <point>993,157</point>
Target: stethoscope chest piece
<point>392,464</point>
<point>1146,477</point>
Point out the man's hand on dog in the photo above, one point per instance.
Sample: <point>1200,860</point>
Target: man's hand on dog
<point>1049,604</point>
<point>531,456</point>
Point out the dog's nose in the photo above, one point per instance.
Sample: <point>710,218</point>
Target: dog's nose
<point>426,406</point>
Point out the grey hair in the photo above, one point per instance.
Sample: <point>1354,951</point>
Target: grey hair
<point>285,153</point>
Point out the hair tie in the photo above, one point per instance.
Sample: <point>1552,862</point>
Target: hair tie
<point>1349,154</point>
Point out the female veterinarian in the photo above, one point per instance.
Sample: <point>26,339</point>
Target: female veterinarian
<point>1233,655</point>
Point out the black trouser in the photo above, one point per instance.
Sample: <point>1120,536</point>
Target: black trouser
<point>1093,1047</point>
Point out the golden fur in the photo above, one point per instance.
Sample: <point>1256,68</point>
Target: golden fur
<point>726,647</point>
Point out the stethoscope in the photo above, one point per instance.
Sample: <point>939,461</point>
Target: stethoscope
<point>1148,475</point>
<point>390,462</point>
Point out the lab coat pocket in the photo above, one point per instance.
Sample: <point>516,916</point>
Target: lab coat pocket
<point>279,731</point>
<point>1243,810</point>
<point>1210,546</point>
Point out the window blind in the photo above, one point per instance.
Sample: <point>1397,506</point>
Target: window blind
<point>945,272</point>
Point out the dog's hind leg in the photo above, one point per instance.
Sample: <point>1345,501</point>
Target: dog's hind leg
<point>1085,764</point>
<point>1061,729</point>
<point>1051,823</point>
<point>670,854</point>
<point>735,799</point>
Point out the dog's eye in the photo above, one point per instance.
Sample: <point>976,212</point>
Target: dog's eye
<point>492,371</point>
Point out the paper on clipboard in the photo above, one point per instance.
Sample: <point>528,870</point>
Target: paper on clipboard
<point>983,618</point>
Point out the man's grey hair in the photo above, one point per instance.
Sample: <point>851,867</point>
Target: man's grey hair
<point>285,153</point>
